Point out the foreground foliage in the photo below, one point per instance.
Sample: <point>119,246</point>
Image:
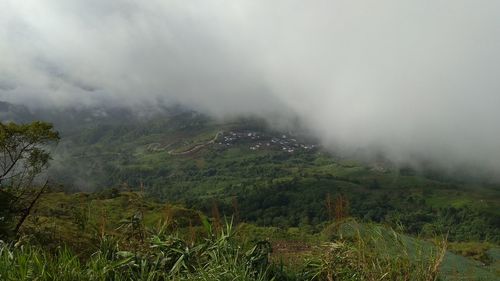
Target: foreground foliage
<point>218,255</point>
<point>162,256</point>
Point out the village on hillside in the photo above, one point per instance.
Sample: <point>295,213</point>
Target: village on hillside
<point>258,141</point>
<point>254,140</point>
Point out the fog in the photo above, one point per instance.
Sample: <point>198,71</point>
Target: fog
<point>412,79</point>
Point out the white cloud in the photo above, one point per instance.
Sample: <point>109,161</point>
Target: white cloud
<point>410,77</point>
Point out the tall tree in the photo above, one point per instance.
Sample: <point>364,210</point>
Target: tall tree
<point>23,156</point>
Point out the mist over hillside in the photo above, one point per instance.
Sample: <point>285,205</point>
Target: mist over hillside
<point>85,129</point>
<point>362,76</point>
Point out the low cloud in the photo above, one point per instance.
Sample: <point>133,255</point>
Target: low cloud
<point>414,79</point>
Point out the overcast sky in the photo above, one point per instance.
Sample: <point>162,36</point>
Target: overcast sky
<point>408,77</point>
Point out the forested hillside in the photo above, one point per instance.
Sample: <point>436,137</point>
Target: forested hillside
<point>197,174</point>
<point>276,178</point>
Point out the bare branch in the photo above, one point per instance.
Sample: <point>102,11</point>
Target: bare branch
<point>26,212</point>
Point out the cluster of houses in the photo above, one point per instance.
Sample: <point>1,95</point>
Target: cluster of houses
<point>259,141</point>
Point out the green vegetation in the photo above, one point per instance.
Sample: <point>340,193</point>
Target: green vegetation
<point>298,212</point>
<point>205,250</point>
<point>112,235</point>
<point>22,158</point>
<point>79,221</point>
<point>270,186</point>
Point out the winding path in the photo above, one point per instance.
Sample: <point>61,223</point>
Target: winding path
<point>197,147</point>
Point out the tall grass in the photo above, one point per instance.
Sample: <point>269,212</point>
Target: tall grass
<point>377,253</point>
<point>364,254</point>
<point>165,256</point>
